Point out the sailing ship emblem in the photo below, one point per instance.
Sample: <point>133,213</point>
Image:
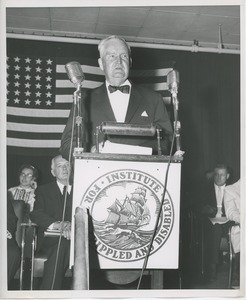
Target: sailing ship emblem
<point>124,214</point>
<point>133,212</point>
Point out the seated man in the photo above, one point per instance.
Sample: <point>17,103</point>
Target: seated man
<point>213,206</point>
<point>232,210</point>
<point>52,210</point>
<point>13,250</point>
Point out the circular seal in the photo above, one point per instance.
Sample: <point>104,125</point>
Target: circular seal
<point>125,209</point>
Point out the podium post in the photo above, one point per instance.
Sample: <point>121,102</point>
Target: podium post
<point>81,250</point>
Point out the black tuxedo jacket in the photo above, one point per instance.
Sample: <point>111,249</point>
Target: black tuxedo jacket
<point>145,107</point>
<point>48,208</point>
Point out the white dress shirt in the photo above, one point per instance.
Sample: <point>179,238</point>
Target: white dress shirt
<point>219,190</point>
<point>232,210</point>
<point>119,102</point>
<point>61,187</point>
<point>219,199</point>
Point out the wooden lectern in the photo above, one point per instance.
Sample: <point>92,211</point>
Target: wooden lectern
<point>123,195</point>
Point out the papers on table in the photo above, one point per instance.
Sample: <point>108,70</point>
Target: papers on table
<point>125,149</point>
<point>219,220</point>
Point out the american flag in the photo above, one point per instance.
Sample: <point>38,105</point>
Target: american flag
<point>39,97</point>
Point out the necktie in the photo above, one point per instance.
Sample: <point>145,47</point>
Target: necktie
<point>123,88</point>
<point>67,205</point>
<point>64,190</point>
<point>219,201</point>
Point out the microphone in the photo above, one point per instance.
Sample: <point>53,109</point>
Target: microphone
<point>173,85</point>
<point>76,76</point>
<point>173,81</point>
<point>75,73</point>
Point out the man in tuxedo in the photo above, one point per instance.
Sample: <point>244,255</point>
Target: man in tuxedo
<point>52,211</point>
<point>213,207</point>
<point>119,100</point>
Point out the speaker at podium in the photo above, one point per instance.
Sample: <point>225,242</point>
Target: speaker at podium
<point>133,203</point>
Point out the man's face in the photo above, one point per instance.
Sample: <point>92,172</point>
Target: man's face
<point>220,176</point>
<point>115,62</point>
<point>26,177</point>
<point>61,169</point>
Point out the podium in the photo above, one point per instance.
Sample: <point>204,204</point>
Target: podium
<point>133,201</point>
<point>123,194</point>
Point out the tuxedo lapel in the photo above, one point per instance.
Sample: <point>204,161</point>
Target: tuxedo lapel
<point>103,104</point>
<point>57,195</point>
<point>60,202</point>
<point>134,103</point>
<point>213,196</point>
<point>68,214</point>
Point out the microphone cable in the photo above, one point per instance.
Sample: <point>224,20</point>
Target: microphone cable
<point>65,198</point>
<point>159,213</point>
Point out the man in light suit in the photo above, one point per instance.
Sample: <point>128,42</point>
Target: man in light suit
<point>213,206</point>
<point>232,210</point>
<point>119,100</point>
<point>53,210</point>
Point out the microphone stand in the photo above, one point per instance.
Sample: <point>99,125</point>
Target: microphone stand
<point>78,121</point>
<point>177,125</point>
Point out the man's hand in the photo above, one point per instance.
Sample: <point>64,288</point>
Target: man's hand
<point>66,230</point>
<point>93,149</point>
<point>179,153</point>
<point>64,227</point>
<point>34,185</point>
<point>56,226</point>
<point>9,235</point>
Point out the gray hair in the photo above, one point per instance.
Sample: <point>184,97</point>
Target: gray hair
<point>102,43</point>
<point>53,161</point>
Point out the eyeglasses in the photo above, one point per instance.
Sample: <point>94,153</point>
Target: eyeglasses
<point>26,175</point>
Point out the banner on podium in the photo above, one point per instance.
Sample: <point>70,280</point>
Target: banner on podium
<point>123,199</point>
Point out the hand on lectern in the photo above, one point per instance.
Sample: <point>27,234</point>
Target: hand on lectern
<point>66,230</point>
<point>94,149</point>
<point>64,227</point>
<point>179,153</point>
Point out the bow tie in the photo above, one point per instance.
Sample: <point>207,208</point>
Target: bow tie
<point>124,88</point>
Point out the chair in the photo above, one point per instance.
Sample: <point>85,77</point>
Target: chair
<point>19,209</point>
<point>231,255</point>
<point>24,237</point>
<point>225,247</point>
<point>26,240</point>
<point>38,259</point>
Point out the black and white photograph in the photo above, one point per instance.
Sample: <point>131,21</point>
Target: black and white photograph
<point>122,149</point>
